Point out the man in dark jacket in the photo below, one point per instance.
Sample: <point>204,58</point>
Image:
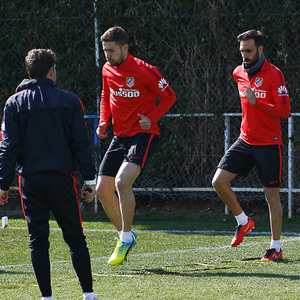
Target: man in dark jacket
<point>44,135</point>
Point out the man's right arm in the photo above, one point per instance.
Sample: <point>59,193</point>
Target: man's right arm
<point>104,110</point>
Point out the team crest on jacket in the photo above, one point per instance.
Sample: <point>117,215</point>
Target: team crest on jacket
<point>130,81</point>
<point>258,82</point>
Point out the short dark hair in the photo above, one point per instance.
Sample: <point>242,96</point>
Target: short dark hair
<point>251,34</point>
<point>115,34</point>
<point>38,62</point>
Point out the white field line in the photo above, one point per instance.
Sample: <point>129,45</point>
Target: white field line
<point>287,240</point>
<point>171,231</point>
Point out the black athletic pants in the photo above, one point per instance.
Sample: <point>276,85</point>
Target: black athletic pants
<point>40,193</point>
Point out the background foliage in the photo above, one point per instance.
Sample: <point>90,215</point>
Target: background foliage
<point>193,44</point>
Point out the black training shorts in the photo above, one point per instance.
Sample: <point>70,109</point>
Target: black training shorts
<point>242,157</point>
<point>136,149</point>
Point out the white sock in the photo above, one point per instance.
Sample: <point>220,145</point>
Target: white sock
<point>241,219</point>
<point>126,236</point>
<point>48,298</point>
<point>275,244</point>
<point>119,232</point>
<point>90,295</point>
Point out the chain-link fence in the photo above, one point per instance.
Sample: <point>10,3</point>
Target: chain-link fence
<point>193,44</point>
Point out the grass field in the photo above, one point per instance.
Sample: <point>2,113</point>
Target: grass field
<point>177,257</point>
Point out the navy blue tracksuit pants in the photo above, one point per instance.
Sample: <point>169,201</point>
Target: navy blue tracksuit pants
<point>52,191</point>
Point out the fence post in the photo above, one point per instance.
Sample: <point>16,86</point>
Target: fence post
<point>97,57</point>
<point>226,144</point>
<point>96,161</point>
<point>290,165</point>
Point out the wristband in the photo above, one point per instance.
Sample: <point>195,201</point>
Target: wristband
<point>90,182</point>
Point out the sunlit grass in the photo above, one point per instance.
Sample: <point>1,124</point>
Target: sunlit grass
<point>176,257</point>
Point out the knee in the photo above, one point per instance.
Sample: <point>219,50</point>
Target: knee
<point>76,241</point>
<point>221,180</point>
<point>103,194</point>
<point>39,236</point>
<point>217,183</point>
<point>275,206</point>
<point>274,202</point>
<point>121,184</point>
<point>39,245</point>
<point>214,182</point>
<point>272,196</point>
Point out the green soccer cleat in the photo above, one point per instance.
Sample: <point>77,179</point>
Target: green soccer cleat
<point>135,236</point>
<point>121,252</point>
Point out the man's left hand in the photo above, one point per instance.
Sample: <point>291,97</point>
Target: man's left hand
<point>88,192</point>
<point>249,93</point>
<point>144,122</point>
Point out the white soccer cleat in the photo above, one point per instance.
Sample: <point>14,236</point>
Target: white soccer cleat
<point>89,298</point>
<point>4,221</point>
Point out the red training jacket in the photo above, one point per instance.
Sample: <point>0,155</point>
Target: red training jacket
<point>261,122</point>
<point>131,89</point>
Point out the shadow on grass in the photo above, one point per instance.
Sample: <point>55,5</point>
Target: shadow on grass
<point>209,271</point>
<point>13,272</point>
<point>258,259</point>
<point>206,270</point>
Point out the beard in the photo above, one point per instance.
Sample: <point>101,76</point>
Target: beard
<point>251,62</point>
<point>114,63</point>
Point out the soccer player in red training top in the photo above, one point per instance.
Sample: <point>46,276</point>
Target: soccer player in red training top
<point>130,88</point>
<point>265,100</point>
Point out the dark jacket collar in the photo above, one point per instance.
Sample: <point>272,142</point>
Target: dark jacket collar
<point>26,83</point>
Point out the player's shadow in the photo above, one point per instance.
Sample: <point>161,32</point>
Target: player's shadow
<point>12,272</point>
<point>202,270</point>
<point>209,272</point>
